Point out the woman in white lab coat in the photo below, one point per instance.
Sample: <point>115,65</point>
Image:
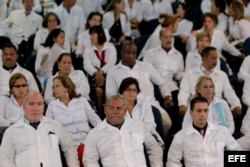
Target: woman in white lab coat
<point>219,111</point>
<point>72,111</point>
<point>11,105</point>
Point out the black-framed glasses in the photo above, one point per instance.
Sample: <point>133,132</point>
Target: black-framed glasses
<point>19,86</point>
<point>131,90</point>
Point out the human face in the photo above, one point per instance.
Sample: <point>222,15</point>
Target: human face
<point>115,111</point>
<point>210,61</point>
<point>52,22</point>
<point>20,88</point>
<point>175,26</point>
<point>69,3</point>
<point>199,114</point>
<point>33,107</point>
<point>28,5</point>
<point>202,43</point>
<point>9,57</point>
<point>129,55</point>
<point>59,90</point>
<point>120,6</point>
<point>208,24</point>
<point>206,89</point>
<point>231,11</point>
<point>94,38</point>
<point>60,39</point>
<point>130,93</point>
<point>65,65</point>
<point>180,11</point>
<point>166,39</point>
<point>95,21</point>
<point>214,8</point>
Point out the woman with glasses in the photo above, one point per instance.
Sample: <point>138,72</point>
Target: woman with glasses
<point>11,105</point>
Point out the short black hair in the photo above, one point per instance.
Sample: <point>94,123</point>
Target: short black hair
<point>10,45</point>
<point>198,99</point>
<point>101,34</point>
<point>206,50</point>
<point>126,82</point>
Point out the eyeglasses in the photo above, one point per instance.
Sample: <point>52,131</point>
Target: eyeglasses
<point>131,90</point>
<point>19,86</point>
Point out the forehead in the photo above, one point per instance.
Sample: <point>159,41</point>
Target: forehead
<point>212,53</point>
<point>200,105</point>
<point>115,102</point>
<point>9,49</point>
<point>34,98</point>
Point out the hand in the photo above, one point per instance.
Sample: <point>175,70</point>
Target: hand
<point>194,33</point>
<point>184,39</point>
<point>122,39</point>
<point>237,111</point>
<point>242,56</point>
<point>168,102</point>
<point>99,78</point>
<point>182,110</point>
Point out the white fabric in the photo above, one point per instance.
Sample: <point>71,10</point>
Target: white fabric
<point>92,63</point>
<point>221,83</point>
<point>84,41</point>
<point>3,10</point>
<point>10,110</point>
<point>185,27</point>
<point>123,148</point>
<point>109,19</point>
<point>222,23</point>
<point>135,11</point>
<point>169,65</point>
<point>244,69</point>
<point>206,6</point>
<point>78,78</point>
<point>89,6</point>
<point>18,4</point>
<point>246,92</point>
<point>245,127</point>
<point>245,142</point>
<point>5,77</point>
<point>75,117</point>
<point>73,23</point>
<point>188,144</point>
<point>247,10</point>
<point>212,116</point>
<point>23,146</point>
<point>5,31</point>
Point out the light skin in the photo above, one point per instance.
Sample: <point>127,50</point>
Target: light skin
<point>214,8</point>
<point>9,57</point>
<point>166,38</point>
<point>206,90</point>
<point>52,22</point>
<point>180,12</point>
<point>209,62</point>
<point>20,89</point>
<point>199,114</point>
<point>202,43</point>
<point>28,5</point>
<point>33,106</point>
<point>59,90</point>
<point>95,21</point>
<point>65,65</point>
<point>130,95</point>
<point>115,111</point>
<point>208,24</point>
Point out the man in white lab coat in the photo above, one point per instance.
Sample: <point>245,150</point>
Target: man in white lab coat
<point>119,142</point>
<point>34,140</point>
<point>202,143</point>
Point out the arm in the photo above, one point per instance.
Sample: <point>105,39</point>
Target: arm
<point>244,142</point>
<point>82,85</point>
<point>48,94</point>
<point>111,86</point>
<point>92,116</point>
<point>245,127</point>
<point>111,58</point>
<point>88,66</point>
<point>244,69</point>
<point>38,40</point>
<point>3,103</point>
<point>246,92</point>
<point>49,112</point>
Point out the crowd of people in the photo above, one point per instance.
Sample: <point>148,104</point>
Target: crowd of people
<point>130,83</point>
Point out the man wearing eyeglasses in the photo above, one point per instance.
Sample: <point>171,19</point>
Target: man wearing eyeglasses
<point>10,67</point>
<point>119,142</point>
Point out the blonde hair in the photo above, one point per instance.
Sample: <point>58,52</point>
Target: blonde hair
<point>201,35</point>
<point>238,9</point>
<point>199,82</point>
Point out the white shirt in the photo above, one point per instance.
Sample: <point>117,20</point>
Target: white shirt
<point>89,6</point>
<point>5,77</point>
<point>145,74</point>
<point>152,11</point>
<point>84,41</point>
<point>246,92</point>
<point>244,69</point>
<point>121,147</point>
<point>109,20</point>
<point>221,83</point>
<point>3,10</point>
<point>23,146</point>
<point>206,6</point>
<point>188,144</point>
<point>75,117</point>
<point>78,78</point>
<point>218,41</point>
<point>10,110</point>
<point>185,27</point>
<point>222,22</point>
<point>23,26</point>
<point>135,11</point>
<point>247,10</point>
<point>18,4</point>
<point>5,31</point>
<point>212,115</point>
<point>245,127</point>
<point>245,142</point>
<point>73,23</point>
<point>92,63</point>
<point>169,65</point>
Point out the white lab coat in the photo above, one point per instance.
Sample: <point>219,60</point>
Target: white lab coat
<point>212,116</point>
<point>245,142</point>
<point>5,31</point>
<point>18,4</point>
<point>222,22</point>
<point>10,110</point>
<point>3,10</point>
<point>5,77</point>
<point>75,117</point>
<point>78,78</point>
<point>92,63</point>
<point>244,69</point>
<point>185,27</point>
<point>23,146</point>
<point>121,147</point>
<point>89,6</point>
<point>246,92</point>
<point>188,144</point>
<point>221,82</point>
<point>245,127</point>
<point>135,11</point>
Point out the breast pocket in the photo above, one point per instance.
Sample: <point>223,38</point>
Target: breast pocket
<point>53,141</point>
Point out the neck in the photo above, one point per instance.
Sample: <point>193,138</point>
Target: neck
<point>19,100</point>
<point>65,100</point>
<point>99,47</point>
<point>128,65</point>
<point>130,105</point>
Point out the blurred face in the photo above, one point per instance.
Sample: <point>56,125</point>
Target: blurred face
<point>129,55</point>
<point>120,6</point>
<point>175,26</point>
<point>180,11</point>
<point>65,65</point>
<point>69,3</point>
<point>214,8</point>
<point>166,39</point>
<point>199,114</point>
<point>231,11</point>
<point>60,39</point>
<point>20,88</point>
<point>210,61</point>
<point>95,21</point>
<point>9,57</point>
<point>59,90</point>
<point>52,22</point>
<point>206,89</point>
<point>34,107</point>
<point>115,111</point>
<point>130,93</point>
<point>94,38</point>
<point>28,5</point>
<point>208,24</point>
<point>202,43</point>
